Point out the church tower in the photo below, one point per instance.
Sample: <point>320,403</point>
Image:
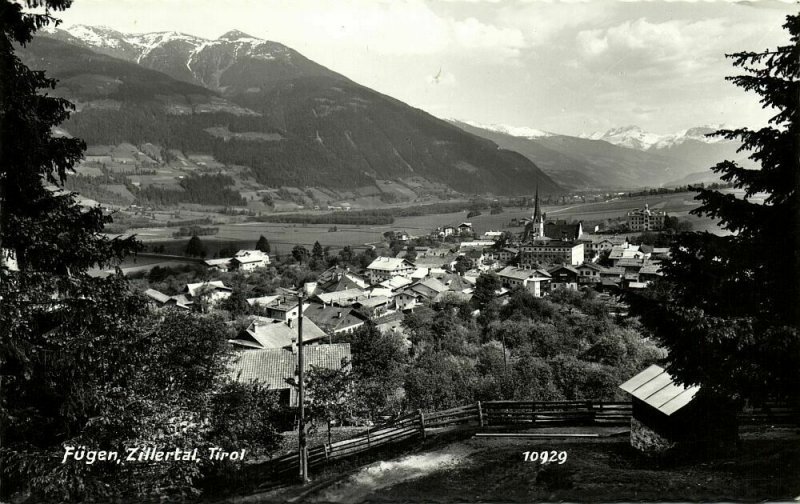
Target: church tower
<point>538,217</point>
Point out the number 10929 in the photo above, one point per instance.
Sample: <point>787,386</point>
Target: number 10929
<point>545,457</point>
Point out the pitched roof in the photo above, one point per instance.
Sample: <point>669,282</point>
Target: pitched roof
<point>561,230</point>
<point>389,264</point>
<point>218,262</point>
<point>331,318</point>
<point>396,282</point>
<point>341,298</point>
<point>562,267</point>
<point>373,301</point>
<point>521,274</point>
<point>250,256</point>
<point>657,388</point>
<point>263,300</point>
<point>156,295</point>
<point>270,333</point>
<point>273,366</point>
<point>192,288</point>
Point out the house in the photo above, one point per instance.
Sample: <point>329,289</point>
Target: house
<point>492,235</point>
<point>222,264</point>
<point>644,219</point>
<point>563,230</point>
<point>667,415</point>
<point>534,280</point>
<point>272,367</point>
<point>626,251</point>
<point>161,300</point>
<point>284,308</point>
<point>594,245</point>
<point>215,291</point>
<point>248,260</point>
<point>563,277</point>
<point>384,268</point>
<point>265,332</point>
<point>341,298</point>
<point>375,306</point>
<point>334,319</point>
<point>407,299</point>
<point>339,279</point>
<point>395,284</point>
<point>262,300</point>
<point>589,273</point>
<point>551,252</point>
<point>465,228</point>
<point>505,254</point>
<point>429,288</point>
<point>650,271</point>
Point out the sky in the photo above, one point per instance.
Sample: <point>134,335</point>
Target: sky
<point>568,67</point>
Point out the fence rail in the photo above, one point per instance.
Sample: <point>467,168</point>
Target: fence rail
<point>495,413</point>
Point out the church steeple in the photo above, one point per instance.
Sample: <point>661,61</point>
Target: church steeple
<point>537,210</point>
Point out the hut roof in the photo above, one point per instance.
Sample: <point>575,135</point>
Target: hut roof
<point>658,389</point>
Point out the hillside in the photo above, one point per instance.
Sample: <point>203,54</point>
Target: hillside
<point>304,126</point>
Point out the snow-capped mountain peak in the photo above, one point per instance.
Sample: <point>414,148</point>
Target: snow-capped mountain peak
<point>517,131</point>
<point>633,137</point>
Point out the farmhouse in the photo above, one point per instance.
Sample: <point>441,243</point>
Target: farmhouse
<point>384,268</point>
<point>534,280</point>
<point>563,277</point>
<point>248,260</point>
<point>216,291</point>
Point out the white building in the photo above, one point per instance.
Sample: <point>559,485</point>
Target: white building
<point>533,280</point>
<point>248,260</point>
<point>384,268</point>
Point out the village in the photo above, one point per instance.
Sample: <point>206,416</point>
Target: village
<point>547,257</point>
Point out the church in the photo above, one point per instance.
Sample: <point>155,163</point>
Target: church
<point>540,229</point>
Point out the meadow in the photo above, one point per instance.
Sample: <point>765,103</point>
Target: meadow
<point>284,236</point>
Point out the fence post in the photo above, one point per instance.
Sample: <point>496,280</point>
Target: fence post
<point>421,422</point>
<point>480,414</point>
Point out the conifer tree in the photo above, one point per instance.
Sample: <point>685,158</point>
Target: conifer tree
<point>262,244</point>
<point>729,309</point>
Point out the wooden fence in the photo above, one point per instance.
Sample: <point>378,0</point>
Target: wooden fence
<point>415,425</point>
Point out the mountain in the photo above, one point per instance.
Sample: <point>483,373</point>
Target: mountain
<point>244,102</point>
<point>691,146</point>
<point>234,63</point>
<point>586,164</point>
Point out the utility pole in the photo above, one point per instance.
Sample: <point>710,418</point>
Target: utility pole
<point>300,364</point>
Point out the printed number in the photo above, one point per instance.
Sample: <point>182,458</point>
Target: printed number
<point>545,457</point>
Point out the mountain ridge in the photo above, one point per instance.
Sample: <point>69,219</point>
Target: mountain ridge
<point>314,128</point>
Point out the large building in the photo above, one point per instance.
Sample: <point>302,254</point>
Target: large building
<point>384,268</point>
<point>551,252</point>
<point>644,219</point>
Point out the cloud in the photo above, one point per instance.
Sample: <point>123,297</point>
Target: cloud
<point>473,34</point>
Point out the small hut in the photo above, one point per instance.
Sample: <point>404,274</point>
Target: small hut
<point>667,415</point>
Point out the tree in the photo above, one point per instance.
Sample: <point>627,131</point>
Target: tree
<point>317,252</point>
<point>262,244</point>
<point>83,361</point>
<point>195,247</point>
<point>330,394</point>
<point>486,287</point>
<point>299,253</point>
<point>728,309</point>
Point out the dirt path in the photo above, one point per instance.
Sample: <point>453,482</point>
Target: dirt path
<point>385,474</point>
